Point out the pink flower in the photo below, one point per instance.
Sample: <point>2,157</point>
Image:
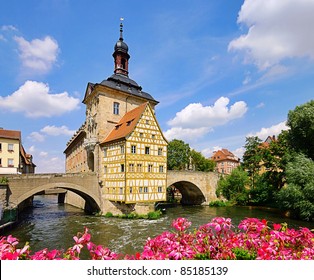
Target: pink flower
<point>181,224</point>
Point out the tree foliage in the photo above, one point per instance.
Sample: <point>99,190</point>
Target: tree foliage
<point>200,163</point>
<point>298,196</point>
<point>178,155</point>
<point>252,157</point>
<point>234,186</point>
<point>281,172</point>
<point>301,133</point>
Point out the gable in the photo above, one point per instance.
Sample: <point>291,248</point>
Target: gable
<point>126,125</point>
<point>147,128</point>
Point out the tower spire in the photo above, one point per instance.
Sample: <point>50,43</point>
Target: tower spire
<point>121,55</point>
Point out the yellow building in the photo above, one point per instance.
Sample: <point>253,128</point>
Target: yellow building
<point>13,158</point>
<point>120,117</point>
<point>106,103</point>
<point>135,159</point>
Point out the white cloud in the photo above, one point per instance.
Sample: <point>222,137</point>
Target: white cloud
<point>36,137</point>
<point>34,100</point>
<point>195,115</point>
<point>187,134</point>
<point>8,28</point>
<point>46,163</point>
<point>56,131</point>
<point>31,149</point>
<point>208,152</point>
<point>49,164</point>
<point>196,120</point>
<point>270,131</point>
<point>239,152</point>
<point>38,55</point>
<point>276,30</point>
<point>260,105</point>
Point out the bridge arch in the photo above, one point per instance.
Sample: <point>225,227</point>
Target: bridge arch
<point>191,193</point>
<point>92,203</point>
<point>195,187</point>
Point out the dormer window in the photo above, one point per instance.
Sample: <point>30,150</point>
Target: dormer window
<point>128,123</point>
<point>117,126</point>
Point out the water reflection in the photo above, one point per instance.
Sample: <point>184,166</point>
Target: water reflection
<point>52,225</point>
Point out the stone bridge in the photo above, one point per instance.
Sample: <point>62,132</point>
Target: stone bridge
<point>195,187</point>
<point>23,187</point>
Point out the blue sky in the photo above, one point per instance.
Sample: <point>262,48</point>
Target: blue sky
<point>222,70</point>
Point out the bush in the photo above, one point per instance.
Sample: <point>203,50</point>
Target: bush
<point>154,215</point>
<point>234,186</point>
<point>4,180</point>
<point>219,203</point>
<point>108,215</point>
<point>244,254</point>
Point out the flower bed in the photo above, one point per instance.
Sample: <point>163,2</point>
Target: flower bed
<point>219,240</point>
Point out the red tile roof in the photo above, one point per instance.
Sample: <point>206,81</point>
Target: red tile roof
<point>10,134</point>
<point>224,154</point>
<point>127,124</point>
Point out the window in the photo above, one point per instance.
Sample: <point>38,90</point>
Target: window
<point>10,147</point>
<point>139,167</point>
<point>0,146</point>
<point>141,189</point>
<point>131,167</point>
<point>105,169</point>
<point>10,162</point>
<point>147,121</point>
<point>141,135</point>
<point>159,189</point>
<point>161,168</point>
<point>145,189</point>
<point>105,152</point>
<point>146,150</point>
<point>0,162</point>
<point>121,190</point>
<point>153,136</point>
<point>160,151</point>
<point>131,189</point>
<point>116,106</point>
<point>123,62</point>
<point>122,149</point>
<point>150,168</point>
<point>133,149</point>
<point>122,168</point>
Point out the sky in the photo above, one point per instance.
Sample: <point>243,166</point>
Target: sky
<point>221,70</point>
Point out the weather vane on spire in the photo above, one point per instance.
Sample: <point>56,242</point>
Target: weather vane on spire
<point>121,28</point>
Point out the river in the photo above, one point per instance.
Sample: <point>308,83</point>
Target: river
<point>52,225</point>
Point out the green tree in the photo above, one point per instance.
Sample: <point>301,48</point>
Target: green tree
<point>298,196</point>
<point>201,163</point>
<point>252,157</point>
<point>178,155</point>
<point>263,192</point>
<point>274,159</point>
<point>234,186</point>
<point>301,133</point>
